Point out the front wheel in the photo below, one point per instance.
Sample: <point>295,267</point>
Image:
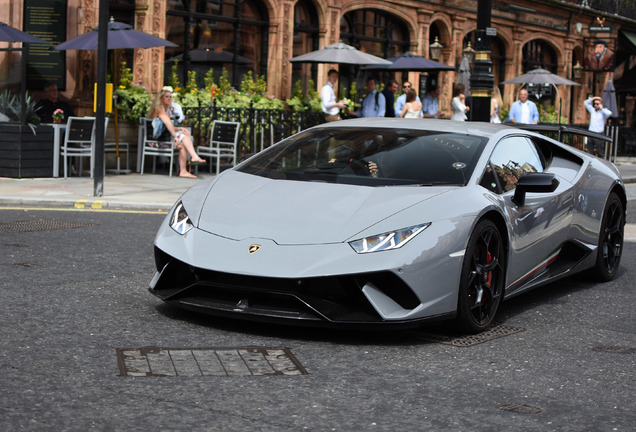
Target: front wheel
<point>610,241</point>
<point>482,278</point>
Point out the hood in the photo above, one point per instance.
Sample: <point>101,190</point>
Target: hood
<point>241,206</point>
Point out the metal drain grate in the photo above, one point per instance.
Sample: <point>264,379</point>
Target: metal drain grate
<point>520,408</point>
<point>242,361</point>
<point>469,340</point>
<point>614,349</point>
<point>40,225</point>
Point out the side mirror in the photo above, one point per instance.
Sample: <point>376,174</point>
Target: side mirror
<point>534,182</point>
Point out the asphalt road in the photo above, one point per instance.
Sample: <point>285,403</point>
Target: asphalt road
<point>75,292</point>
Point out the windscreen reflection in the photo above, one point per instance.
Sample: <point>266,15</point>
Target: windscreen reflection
<point>373,157</point>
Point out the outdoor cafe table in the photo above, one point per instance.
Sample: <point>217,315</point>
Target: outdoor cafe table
<point>57,139</point>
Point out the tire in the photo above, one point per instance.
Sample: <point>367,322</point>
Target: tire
<point>610,240</point>
<point>482,278</point>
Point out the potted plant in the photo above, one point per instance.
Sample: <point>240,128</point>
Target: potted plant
<point>58,116</point>
<point>26,150</point>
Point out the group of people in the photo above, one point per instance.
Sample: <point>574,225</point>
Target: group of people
<point>385,103</point>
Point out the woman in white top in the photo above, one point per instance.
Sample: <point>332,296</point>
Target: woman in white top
<point>180,136</point>
<point>458,104</point>
<point>412,108</point>
<point>495,106</point>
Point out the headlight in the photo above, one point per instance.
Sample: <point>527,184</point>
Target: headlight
<point>387,241</point>
<point>180,221</point>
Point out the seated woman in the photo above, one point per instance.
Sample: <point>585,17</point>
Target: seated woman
<point>181,136</point>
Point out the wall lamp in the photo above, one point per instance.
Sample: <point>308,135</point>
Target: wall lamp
<point>435,49</point>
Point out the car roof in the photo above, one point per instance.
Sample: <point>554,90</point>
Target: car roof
<point>472,128</point>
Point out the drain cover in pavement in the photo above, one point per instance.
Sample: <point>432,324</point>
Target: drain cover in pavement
<point>243,361</point>
<point>469,340</point>
<point>40,225</point>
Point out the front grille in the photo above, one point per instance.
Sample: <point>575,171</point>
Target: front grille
<point>330,298</point>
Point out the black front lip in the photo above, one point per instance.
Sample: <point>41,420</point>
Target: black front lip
<point>321,301</point>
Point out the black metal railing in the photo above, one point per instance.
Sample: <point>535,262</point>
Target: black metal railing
<point>624,8</point>
<point>260,128</point>
<point>575,136</point>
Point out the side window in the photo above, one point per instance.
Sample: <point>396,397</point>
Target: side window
<point>512,158</point>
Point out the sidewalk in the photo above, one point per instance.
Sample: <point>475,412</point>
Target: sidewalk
<point>148,192</point>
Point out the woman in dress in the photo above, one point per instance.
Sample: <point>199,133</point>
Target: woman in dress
<point>495,106</point>
<point>412,108</point>
<point>163,127</point>
<point>458,104</point>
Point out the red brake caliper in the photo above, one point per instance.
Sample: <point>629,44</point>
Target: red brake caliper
<point>488,277</point>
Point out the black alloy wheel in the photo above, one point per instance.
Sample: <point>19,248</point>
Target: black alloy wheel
<point>610,242</point>
<point>482,278</point>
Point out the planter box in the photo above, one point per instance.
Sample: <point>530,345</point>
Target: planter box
<point>23,154</point>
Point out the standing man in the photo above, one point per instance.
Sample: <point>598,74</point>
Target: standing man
<point>374,103</point>
<point>401,100</point>
<point>52,103</point>
<point>598,117</point>
<point>430,104</point>
<point>523,111</point>
<point>330,106</point>
<point>389,96</point>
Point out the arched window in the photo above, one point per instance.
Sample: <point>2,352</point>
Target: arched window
<point>230,34</point>
<point>305,40</point>
<point>375,32</point>
<point>538,54</point>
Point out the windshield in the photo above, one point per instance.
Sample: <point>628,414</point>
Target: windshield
<point>371,156</point>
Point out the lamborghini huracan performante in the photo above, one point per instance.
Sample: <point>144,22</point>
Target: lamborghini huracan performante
<point>370,222</point>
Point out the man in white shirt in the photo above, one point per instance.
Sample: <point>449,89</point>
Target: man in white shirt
<point>374,103</point>
<point>330,105</point>
<point>523,111</point>
<point>598,117</point>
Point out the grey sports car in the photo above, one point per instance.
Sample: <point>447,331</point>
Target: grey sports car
<point>390,222</point>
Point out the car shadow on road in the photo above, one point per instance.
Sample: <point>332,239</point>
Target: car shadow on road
<point>546,297</point>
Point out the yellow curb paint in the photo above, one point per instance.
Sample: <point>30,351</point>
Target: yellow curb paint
<point>80,204</point>
<point>97,204</point>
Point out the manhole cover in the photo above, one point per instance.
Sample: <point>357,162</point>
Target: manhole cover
<point>243,361</point>
<point>40,225</point>
<point>469,340</point>
<point>520,408</point>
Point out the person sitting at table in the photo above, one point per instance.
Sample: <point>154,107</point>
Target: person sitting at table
<point>52,103</point>
<point>163,129</point>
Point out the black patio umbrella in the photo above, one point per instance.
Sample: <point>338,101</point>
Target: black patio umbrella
<point>119,36</point>
<point>411,62</point>
<point>11,34</point>
<point>339,53</point>
<point>609,98</point>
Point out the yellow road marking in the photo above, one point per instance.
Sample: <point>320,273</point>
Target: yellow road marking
<point>87,210</point>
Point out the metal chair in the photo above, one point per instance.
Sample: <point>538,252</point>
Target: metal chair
<point>79,141</point>
<point>223,143</point>
<point>154,147</point>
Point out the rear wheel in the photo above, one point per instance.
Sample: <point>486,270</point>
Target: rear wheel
<point>610,242</point>
<point>482,278</point>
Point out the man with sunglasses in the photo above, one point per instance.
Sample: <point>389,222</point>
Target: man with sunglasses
<point>401,100</point>
<point>598,117</point>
